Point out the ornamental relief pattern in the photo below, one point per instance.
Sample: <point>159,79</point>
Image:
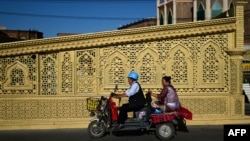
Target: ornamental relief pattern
<point>237,106</point>
<point>233,76</point>
<point>49,74</point>
<point>86,72</point>
<point>204,57</point>
<point>207,105</point>
<point>54,108</point>
<point>67,73</point>
<point>196,64</point>
<point>18,75</point>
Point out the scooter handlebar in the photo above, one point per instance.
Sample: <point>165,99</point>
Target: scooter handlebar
<point>103,98</point>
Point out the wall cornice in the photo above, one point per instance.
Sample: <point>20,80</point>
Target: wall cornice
<point>100,39</point>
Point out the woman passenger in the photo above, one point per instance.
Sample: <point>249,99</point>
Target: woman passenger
<point>168,99</point>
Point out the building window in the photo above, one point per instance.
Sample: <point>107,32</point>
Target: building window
<point>201,13</point>
<point>170,17</point>
<point>231,11</point>
<point>216,9</point>
<point>161,19</point>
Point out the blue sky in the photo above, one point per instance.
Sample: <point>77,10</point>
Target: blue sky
<point>73,16</point>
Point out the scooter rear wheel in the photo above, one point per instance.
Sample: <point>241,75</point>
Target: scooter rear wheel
<point>96,129</point>
<point>165,131</point>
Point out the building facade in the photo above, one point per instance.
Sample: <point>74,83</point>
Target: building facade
<point>19,35</point>
<point>179,11</point>
<point>140,23</point>
<point>5,38</point>
<point>247,26</point>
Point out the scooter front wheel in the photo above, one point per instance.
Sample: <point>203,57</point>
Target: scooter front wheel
<point>96,129</point>
<point>165,131</point>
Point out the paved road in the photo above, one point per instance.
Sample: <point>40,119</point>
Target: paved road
<point>196,133</point>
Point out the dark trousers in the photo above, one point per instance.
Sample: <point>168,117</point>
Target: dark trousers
<point>123,113</point>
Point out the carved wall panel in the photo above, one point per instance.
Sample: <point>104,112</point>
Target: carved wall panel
<point>67,72</point>
<point>204,57</point>
<point>49,74</point>
<point>18,75</point>
<point>197,65</point>
<point>86,72</point>
<point>207,105</point>
<point>42,108</point>
<point>238,106</point>
<point>180,66</point>
<point>213,68</point>
<point>233,76</point>
<point>148,66</point>
<point>115,69</point>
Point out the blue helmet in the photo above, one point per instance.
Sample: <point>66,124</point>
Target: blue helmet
<point>134,75</point>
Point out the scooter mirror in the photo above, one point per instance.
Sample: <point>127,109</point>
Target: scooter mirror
<point>116,87</point>
<point>113,94</point>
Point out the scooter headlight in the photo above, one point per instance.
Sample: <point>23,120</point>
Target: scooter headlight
<point>92,114</point>
<point>99,114</point>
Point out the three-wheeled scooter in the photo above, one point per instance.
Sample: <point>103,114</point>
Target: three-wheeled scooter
<point>105,113</point>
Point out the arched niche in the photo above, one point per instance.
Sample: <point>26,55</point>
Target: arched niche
<point>86,74</point>
<point>17,77</point>
<point>148,67</point>
<point>210,71</point>
<point>116,70</point>
<point>180,66</point>
<point>66,73</point>
<point>49,76</point>
<point>85,65</point>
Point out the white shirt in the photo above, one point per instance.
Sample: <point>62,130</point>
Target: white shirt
<point>134,88</point>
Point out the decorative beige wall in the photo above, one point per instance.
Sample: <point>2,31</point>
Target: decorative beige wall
<point>44,83</point>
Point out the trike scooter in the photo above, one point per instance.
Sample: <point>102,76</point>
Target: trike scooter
<point>105,113</point>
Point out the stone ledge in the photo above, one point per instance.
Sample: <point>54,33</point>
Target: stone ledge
<point>237,120</point>
<point>44,124</point>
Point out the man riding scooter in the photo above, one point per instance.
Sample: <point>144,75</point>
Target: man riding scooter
<point>136,99</point>
<point>163,125</point>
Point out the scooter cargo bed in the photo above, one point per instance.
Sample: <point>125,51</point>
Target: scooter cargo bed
<point>165,117</point>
